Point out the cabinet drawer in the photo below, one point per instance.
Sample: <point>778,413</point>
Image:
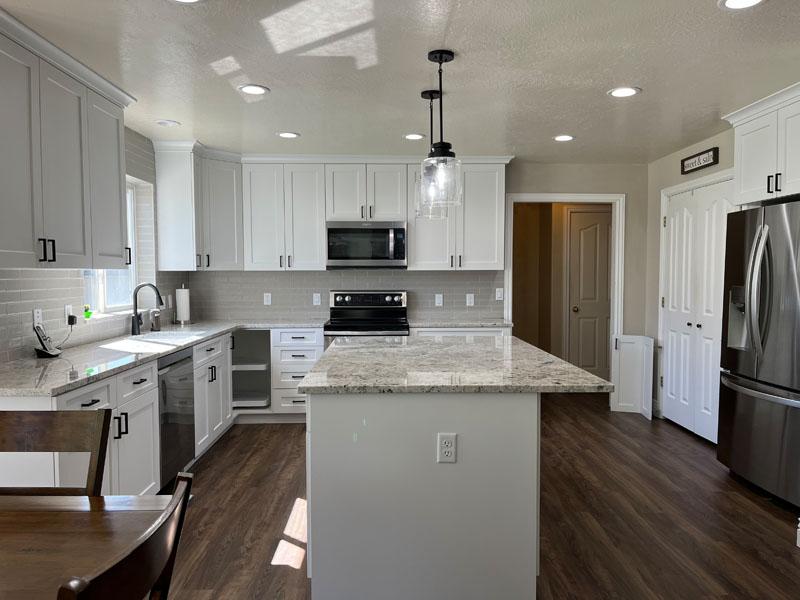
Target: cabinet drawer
<point>208,351</point>
<point>297,337</point>
<point>102,394</point>
<point>282,356</point>
<point>131,384</point>
<point>288,376</point>
<point>288,401</point>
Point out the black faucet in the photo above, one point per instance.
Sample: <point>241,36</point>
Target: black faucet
<point>136,319</point>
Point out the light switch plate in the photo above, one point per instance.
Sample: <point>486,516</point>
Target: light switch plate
<point>438,299</point>
<point>317,299</point>
<point>267,299</point>
<point>498,293</point>
<point>470,299</point>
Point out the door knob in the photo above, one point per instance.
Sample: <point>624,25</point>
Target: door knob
<point>575,309</point>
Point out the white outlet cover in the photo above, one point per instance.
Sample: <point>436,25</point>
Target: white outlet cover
<point>317,299</point>
<point>446,447</point>
<point>438,299</point>
<point>67,313</point>
<point>267,299</point>
<point>470,299</point>
<point>498,293</point>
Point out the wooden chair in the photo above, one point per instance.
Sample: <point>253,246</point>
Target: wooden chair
<point>147,566</point>
<point>58,431</point>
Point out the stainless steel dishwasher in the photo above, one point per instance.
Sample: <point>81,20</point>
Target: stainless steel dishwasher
<point>176,410</point>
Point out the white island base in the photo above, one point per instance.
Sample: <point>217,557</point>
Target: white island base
<point>387,522</point>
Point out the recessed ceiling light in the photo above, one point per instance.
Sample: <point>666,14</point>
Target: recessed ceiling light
<point>624,92</point>
<point>168,123</point>
<point>187,1</point>
<point>289,135</point>
<point>738,4</point>
<point>413,136</point>
<point>253,89</point>
<point>563,138</point>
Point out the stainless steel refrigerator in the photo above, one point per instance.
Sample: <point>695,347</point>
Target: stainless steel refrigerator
<point>759,404</point>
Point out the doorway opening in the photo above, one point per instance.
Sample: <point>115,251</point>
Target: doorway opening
<point>562,281</point>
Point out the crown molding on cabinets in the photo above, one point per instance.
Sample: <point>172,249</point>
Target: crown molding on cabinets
<point>361,159</point>
<point>197,148</point>
<point>222,155</point>
<point>32,41</point>
<point>769,104</point>
<point>178,146</point>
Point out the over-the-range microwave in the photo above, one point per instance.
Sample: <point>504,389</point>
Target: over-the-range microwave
<point>367,245</point>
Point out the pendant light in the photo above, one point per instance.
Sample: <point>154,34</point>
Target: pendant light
<point>440,185</point>
<point>426,209</point>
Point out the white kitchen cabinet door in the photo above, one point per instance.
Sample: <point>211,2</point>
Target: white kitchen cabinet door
<point>65,177</point>
<point>264,242</point>
<point>304,206</point>
<point>480,220</point>
<point>430,242</point>
<point>20,158</point>
<point>107,183</point>
<point>226,384</point>
<point>345,192</point>
<point>137,469</point>
<point>756,159</point>
<point>202,430</point>
<point>387,195</point>
<point>195,203</point>
<point>222,215</point>
<point>788,150</point>
<point>216,397</point>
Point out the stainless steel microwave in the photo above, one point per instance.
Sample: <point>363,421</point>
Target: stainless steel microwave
<point>367,245</point>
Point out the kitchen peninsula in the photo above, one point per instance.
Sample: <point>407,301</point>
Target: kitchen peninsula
<point>423,465</point>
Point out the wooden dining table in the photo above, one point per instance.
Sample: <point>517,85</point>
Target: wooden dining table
<point>46,540</point>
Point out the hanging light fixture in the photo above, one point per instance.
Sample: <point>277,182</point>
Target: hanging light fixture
<point>440,185</point>
<point>424,208</point>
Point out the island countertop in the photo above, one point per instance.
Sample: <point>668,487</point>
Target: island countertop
<point>490,364</point>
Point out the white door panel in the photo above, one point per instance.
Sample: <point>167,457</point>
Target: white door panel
<point>222,214</point>
<point>137,469</point>
<point>789,149</point>
<point>756,158</point>
<point>346,192</point>
<point>430,242</point>
<point>304,193</point>
<point>386,192</point>
<point>480,220</point>
<point>264,242</point>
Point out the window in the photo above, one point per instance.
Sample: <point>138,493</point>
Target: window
<point>110,290</point>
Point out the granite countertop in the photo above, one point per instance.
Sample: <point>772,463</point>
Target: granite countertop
<point>488,364</point>
<point>422,324</point>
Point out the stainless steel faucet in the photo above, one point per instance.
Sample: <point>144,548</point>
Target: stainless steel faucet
<point>136,319</point>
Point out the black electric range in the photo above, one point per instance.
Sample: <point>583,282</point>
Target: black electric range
<point>368,313</point>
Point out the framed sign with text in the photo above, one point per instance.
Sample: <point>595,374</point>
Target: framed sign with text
<point>701,160</point>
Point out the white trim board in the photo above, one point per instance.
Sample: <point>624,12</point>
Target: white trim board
<point>617,202</point>
<point>666,194</point>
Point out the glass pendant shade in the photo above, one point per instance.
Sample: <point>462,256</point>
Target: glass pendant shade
<point>440,185</point>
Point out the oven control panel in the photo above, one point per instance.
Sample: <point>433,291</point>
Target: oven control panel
<point>344,299</point>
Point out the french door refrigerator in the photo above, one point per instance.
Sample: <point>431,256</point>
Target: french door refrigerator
<point>759,405</point>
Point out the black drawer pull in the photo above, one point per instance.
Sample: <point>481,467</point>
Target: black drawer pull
<point>298,337</point>
<point>302,401</point>
<point>125,419</point>
<point>128,257</point>
<point>299,356</point>
<point>91,402</point>
<point>140,381</point>
<point>210,349</point>
<point>778,182</point>
<point>297,376</point>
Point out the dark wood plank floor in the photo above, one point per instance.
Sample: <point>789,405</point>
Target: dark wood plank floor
<point>630,509</point>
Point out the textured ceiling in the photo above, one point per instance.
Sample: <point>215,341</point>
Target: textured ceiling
<point>347,73</point>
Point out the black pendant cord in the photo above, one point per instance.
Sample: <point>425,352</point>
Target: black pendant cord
<point>431,111</point>
<point>441,97</point>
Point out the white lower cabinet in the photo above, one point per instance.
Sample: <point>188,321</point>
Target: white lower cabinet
<point>202,430</point>
<point>213,412</point>
<point>137,447</point>
<point>294,353</point>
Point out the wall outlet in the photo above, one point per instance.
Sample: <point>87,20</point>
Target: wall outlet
<point>446,447</point>
<point>67,313</point>
<point>438,299</point>
<point>267,299</point>
<point>37,316</point>
<point>470,299</point>
<point>498,293</point>
<point>317,299</point>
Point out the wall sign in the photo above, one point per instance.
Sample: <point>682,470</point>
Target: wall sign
<point>701,160</point>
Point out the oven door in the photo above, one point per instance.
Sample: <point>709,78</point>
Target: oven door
<point>372,244</point>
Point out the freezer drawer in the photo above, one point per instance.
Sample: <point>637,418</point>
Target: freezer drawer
<point>759,435</point>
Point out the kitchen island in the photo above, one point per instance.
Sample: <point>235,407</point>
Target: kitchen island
<point>399,509</point>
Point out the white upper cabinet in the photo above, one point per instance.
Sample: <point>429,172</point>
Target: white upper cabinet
<point>107,184</point>
<point>222,215</point>
<point>387,195</point>
<point>480,220</point>
<point>431,242</point>
<point>789,150</point>
<point>304,194</point>
<point>20,156</point>
<point>264,243</point>
<point>767,154</point>
<point>346,192</point>
<point>756,159</point>
<point>65,161</point>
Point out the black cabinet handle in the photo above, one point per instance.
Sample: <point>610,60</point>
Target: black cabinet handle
<point>208,260</point>
<point>298,337</point>
<point>301,401</point>
<point>233,342</point>
<point>140,381</point>
<point>297,376</point>
<point>451,261</point>
<point>362,211</point>
<point>44,250</point>
<point>299,356</point>
<point>210,349</point>
<point>212,373</point>
<point>125,420</point>
<point>91,402</point>
<point>289,258</point>
<point>53,249</point>
<point>769,184</point>
<point>199,261</point>
<point>118,433</point>
<point>778,182</point>
<point>280,261</point>
<point>370,212</point>
<point>459,261</point>
<point>129,258</point>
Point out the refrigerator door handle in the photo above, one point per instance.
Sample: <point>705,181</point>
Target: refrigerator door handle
<point>755,291</point>
<point>728,382</point>
<point>748,288</point>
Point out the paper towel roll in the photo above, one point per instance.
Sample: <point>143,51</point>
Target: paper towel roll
<point>182,305</point>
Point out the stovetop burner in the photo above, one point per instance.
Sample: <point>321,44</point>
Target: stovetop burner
<point>368,313</point>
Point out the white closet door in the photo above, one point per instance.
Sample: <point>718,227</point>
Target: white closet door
<point>711,205</point>
<point>679,311</point>
<point>263,218</point>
